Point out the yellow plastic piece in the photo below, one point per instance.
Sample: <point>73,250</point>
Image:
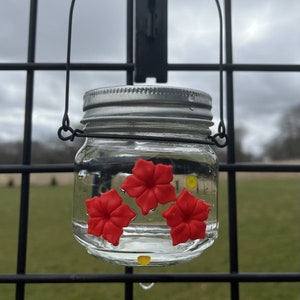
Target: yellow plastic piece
<point>144,260</point>
<point>191,182</point>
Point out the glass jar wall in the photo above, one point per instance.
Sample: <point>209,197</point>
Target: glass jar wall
<point>145,201</point>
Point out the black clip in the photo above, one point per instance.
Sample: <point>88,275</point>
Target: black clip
<point>65,127</point>
<point>151,40</point>
<point>221,135</point>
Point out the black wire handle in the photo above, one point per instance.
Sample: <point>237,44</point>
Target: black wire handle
<point>220,139</point>
<point>65,127</point>
<point>66,132</point>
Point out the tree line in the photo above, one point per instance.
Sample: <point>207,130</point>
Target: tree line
<point>283,146</point>
<point>286,145</point>
<point>50,152</point>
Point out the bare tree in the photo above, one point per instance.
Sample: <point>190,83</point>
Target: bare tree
<point>286,145</point>
<point>11,152</point>
<point>53,151</point>
<point>240,154</point>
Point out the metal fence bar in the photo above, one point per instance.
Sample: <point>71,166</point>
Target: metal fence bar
<point>232,205</point>
<point>25,185</point>
<point>237,167</point>
<point>39,66</point>
<point>128,293</point>
<point>235,67</point>
<point>148,278</point>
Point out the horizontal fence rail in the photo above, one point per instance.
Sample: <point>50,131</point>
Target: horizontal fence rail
<point>149,278</point>
<point>237,167</point>
<point>130,67</point>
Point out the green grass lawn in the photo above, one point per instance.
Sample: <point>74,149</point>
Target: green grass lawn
<point>268,219</point>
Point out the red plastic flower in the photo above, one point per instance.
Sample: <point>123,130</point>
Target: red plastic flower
<point>150,185</point>
<point>108,216</point>
<point>186,218</point>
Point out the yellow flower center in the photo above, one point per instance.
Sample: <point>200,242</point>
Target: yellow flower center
<point>191,182</point>
<point>144,260</point>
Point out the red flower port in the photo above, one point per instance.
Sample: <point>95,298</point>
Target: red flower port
<point>108,216</point>
<point>186,218</point>
<point>150,185</point>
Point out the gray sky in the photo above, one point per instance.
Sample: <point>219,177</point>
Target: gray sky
<point>263,32</point>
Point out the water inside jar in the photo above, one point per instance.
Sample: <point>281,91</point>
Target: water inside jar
<point>147,236</point>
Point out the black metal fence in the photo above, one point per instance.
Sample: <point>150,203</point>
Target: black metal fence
<point>233,277</point>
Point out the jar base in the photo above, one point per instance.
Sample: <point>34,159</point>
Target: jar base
<point>135,250</point>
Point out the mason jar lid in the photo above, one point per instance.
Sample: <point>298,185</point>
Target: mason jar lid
<point>145,110</point>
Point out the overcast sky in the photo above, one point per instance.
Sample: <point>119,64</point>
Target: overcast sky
<point>263,32</point>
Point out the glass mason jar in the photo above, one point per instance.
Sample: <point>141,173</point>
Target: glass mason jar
<point>145,189</point>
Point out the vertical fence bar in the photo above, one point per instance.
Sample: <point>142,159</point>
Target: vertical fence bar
<point>129,41</point>
<point>232,208</point>
<point>26,159</point>
<point>129,81</point>
<point>128,285</point>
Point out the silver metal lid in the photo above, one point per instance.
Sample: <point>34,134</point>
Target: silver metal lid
<point>148,111</point>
